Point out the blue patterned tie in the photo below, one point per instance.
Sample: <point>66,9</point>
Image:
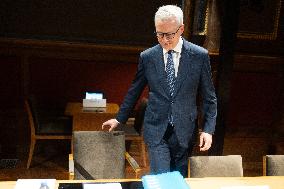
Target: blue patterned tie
<point>170,70</point>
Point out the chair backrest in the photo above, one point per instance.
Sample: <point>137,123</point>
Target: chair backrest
<point>215,166</point>
<point>43,121</point>
<point>100,153</point>
<point>139,117</point>
<point>30,117</point>
<point>273,165</point>
<point>34,112</point>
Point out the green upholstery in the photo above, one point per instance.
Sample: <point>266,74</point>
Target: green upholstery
<point>100,153</point>
<point>215,166</point>
<point>274,165</point>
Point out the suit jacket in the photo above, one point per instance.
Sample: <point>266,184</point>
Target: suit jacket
<point>194,74</point>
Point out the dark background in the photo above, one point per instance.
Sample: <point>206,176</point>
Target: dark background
<point>124,22</point>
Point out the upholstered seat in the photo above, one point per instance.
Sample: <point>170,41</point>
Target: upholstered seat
<point>55,125</point>
<point>215,166</point>
<point>273,165</point>
<point>100,153</point>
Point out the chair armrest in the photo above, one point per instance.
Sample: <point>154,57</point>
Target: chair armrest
<point>71,167</point>
<point>130,121</point>
<point>133,163</point>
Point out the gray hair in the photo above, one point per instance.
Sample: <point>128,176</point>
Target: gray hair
<point>169,12</point>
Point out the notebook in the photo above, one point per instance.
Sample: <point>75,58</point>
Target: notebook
<point>168,180</point>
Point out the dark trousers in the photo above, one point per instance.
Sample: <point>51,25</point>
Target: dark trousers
<point>169,155</point>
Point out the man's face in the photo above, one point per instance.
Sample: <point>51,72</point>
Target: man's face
<point>168,33</point>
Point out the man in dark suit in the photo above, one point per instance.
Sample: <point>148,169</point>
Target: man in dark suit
<point>174,70</point>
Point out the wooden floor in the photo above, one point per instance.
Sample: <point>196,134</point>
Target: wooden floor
<point>51,161</point>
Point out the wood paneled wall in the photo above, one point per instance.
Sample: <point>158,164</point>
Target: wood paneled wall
<point>59,72</point>
<point>62,71</point>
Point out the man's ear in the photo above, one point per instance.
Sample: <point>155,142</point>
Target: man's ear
<point>182,28</point>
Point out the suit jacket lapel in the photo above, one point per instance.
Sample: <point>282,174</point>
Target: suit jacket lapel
<point>160,67</point>
<point>184,66</point>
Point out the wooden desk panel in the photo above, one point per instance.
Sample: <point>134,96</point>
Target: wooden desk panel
<point>274,182</point>
<point>90,120</point>
<point>73,108</point>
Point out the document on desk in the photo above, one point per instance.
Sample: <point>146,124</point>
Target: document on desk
<point>246,187</point>
<point>35,184</point>
<point>102,186</point>
<point>170,180</point>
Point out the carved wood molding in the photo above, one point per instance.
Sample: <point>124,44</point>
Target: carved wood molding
<point>258,63</point>
<point>61,49</point>
<point>253,11</point>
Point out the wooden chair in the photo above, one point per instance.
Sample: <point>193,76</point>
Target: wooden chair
<point>273,165</point>
<point>101,155</point>
<point>133,129</point>
<point>45,128</point>
<point>215,166</point>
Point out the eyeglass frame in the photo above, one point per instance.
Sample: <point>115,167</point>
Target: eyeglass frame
<point>168,36</point>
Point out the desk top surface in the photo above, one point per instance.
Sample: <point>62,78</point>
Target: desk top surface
<point>274,182</point>
<point>73,108</point>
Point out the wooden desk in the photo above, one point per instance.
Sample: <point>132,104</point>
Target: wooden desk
<point>90,120</point>
<point>274,182</point>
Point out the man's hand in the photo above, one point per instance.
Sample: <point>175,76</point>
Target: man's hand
<point>112,123</point>
<point>205,141</point>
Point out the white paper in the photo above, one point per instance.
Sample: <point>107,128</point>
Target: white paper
<point>102,186</point>
<point>34,183</point>
<point>94,95</point>
<point>246,187</point>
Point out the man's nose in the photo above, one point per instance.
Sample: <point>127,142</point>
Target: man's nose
<point>164,38</point>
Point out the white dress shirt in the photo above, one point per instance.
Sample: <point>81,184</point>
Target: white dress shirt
<point>176,55</point>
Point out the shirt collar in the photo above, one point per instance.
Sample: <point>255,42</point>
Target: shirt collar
<point>177,47</point>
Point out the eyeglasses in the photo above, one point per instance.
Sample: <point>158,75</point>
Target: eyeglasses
<point>168,36</point>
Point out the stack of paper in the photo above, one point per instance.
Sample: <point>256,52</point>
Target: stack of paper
<point>35,184</point>
<point>164,181</point>
<point>102,186</point>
